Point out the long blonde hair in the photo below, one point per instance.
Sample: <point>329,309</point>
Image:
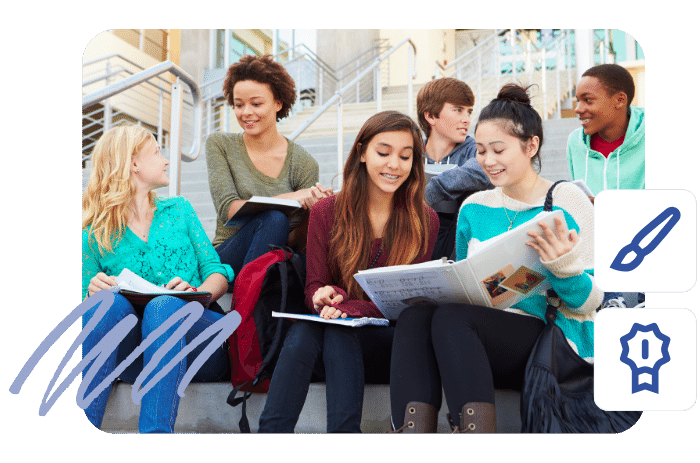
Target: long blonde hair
<point>110,191</point>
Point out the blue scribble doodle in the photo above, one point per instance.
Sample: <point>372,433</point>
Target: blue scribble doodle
<point>640,253</point>
<point>191,312</point>
<point>645,354</point>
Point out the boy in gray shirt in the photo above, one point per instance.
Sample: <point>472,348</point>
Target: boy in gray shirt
<point>444,113</point>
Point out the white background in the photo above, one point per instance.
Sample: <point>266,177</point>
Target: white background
<point>677,378</point>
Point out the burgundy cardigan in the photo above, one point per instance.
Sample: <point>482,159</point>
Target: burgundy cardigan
<point>318,270</point>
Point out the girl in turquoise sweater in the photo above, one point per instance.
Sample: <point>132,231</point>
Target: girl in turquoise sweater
<point>468,350</point>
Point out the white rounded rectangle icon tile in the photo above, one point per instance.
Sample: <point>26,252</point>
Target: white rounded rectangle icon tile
<point>645,359</point>
<point>645,240</point>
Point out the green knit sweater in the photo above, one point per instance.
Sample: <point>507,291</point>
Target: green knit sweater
<point>232,176</point>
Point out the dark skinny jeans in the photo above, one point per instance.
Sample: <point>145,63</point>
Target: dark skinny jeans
<point>346,358</point>
<point>252,240</point>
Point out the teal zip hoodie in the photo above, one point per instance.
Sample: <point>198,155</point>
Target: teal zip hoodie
<point>622,169</point>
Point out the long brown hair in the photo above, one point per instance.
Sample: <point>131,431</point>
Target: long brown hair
<point>407,229</point>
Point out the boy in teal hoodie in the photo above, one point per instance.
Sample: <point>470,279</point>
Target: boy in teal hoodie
<point>607,152</point>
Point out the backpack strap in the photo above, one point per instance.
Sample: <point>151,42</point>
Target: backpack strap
<point>553,300</point>
<point>550,199</point>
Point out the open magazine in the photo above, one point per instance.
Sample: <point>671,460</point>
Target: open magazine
<point>502,272</point>
<point>258,204</point>
<point>139,291</point>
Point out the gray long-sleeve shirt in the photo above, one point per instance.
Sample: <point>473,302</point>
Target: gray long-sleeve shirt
<point>453,183</point>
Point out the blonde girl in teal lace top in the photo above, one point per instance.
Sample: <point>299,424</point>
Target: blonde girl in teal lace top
<point>125,225</point>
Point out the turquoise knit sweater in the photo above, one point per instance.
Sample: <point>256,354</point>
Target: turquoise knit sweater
<point>482,217</point>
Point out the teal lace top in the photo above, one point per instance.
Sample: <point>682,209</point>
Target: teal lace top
<point>177,246</point>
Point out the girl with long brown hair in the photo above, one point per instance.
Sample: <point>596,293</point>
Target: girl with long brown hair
<point>378,218</point>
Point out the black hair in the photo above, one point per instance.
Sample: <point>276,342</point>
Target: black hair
<point>614,78</point>
<point>513,107</point>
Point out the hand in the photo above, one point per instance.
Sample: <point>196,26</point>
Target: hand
<point>326,296</point>
<point>178,284</point>
<point>314,194</point>
<point>331,312</point>
<point>99,282</point>
<point>553,244</point>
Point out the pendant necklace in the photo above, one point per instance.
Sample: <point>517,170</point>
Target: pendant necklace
<point>503,197</point>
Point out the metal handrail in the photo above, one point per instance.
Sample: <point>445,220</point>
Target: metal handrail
<point>466,54</point>
<point>366,71</point>
<point>358,59</point>
<point>150,73</point>
<point>309,53</point>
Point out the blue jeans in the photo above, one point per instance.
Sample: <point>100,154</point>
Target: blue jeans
<point>158,405</point>
<point>334,354</point>
<point>251,241</point>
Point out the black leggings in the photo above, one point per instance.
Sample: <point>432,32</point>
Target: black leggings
<point>467,350</point>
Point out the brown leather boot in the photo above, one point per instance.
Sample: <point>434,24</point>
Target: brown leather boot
<point>476,417</point>
<point>419,418</point>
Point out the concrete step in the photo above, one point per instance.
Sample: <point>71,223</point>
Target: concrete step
<point>204,410</point>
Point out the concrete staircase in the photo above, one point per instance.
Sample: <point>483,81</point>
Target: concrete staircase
<point>204,410</point>
<point>204,407</point>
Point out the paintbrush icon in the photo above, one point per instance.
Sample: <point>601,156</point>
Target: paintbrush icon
<point>635,248</point>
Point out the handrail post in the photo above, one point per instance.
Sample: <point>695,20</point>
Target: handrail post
<point>512,52</point>
<point>160,118</point>
<point>544,84</point>
<point>568,63</point>
<point>108,104</point>
<point>209,118</point>
<point>175,138</point>
<point>319,94</point>
<point>378,92</point>
<point>478,81</point>
<point>298,86</point>
<point>558,91</point>
<point>340,137</point>
<point>357,84</point>
<point>410,81</point>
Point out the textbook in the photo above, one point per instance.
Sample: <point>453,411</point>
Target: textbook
<point>258,204</point>
<point>499,273</point>
<point>354,322</point>
<point>139,291</point>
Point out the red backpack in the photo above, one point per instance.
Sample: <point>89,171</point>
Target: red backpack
<point>272,282</point>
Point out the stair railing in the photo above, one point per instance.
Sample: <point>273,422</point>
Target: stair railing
<point>176,111</point>
<point>338,96</point>
<point>510,54</point>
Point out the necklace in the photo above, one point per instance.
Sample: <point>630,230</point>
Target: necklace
<point>503,197</point>
<point>376,258</point>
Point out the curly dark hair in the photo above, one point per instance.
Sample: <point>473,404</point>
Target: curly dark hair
<point>264,70</point>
